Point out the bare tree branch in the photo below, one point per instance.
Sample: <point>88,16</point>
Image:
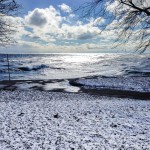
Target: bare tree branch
<point>8,8</point>
<point>132,19</point>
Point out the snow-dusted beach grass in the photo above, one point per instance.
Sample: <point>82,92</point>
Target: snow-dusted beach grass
<point>66,121</point>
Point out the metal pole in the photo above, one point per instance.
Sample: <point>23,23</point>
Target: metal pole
<point>8,67</point>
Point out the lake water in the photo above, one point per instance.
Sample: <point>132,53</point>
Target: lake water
<point>66,66</point>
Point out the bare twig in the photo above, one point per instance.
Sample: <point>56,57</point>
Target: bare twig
<point>8,8</point>
<point>132,19</point>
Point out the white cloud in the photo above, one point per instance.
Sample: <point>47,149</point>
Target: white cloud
<point>38,18</point>
<point>50,26</point>
<point>80,32</point>
<point>47,30</point>
<point>143,3</point>
<point>65,8</point>
<point>42,17</point>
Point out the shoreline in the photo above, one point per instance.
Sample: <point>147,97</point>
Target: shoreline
<point>39,86</point>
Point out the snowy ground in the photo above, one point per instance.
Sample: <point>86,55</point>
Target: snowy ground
<point>65,121</point>
<point>141,84</point>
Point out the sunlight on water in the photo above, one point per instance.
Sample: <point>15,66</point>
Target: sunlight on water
<point>79,58</point>
<point>64,66</point>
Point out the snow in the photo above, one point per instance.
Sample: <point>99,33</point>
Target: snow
<point>54,85</point>
<point>26,86</point>
<point>141,84</point>
<point>64,85</point>
<point>39,120</point>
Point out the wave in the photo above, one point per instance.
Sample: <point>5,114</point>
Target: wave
<point>5,70</point>
<point>141,70</point>
<point>2,70</point>
<point>136,72</point>
<point>3,60</point>
<point>33,68</point>
<point>27,68</point>
<point>66,66</point>
<point>57,68</point>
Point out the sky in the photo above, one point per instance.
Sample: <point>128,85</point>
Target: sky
<point>52,26</point>
<point>29,5</point>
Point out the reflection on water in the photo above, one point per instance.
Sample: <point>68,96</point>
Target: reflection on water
<point>64,66</point>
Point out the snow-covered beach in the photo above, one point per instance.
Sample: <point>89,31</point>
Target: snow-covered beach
<point>75,75</point>
<point>75,102</point>
<point>55,120</point>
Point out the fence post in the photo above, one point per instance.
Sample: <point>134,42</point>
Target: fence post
<point>8,67</point>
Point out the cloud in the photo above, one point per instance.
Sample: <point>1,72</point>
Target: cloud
<point>98,21</point>
<point>49,25</point>
<point>37,18</point>
<point>65,8</point>
<point>48,30</point>
<point>42,17</point>
<point>142,4</point>
<point>79,32</point>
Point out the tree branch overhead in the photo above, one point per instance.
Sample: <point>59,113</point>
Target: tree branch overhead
<point>132,18</point>
<point>8,8</point>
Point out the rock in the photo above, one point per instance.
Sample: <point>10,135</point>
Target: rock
<point>113,125</point>
<point>21,114</point>
<point>56,116</point>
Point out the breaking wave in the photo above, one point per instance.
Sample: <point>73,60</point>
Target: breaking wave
<point>67,66</point>
<point>33,68</point>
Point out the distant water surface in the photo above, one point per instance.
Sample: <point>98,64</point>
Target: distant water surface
<point>65,66</point>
